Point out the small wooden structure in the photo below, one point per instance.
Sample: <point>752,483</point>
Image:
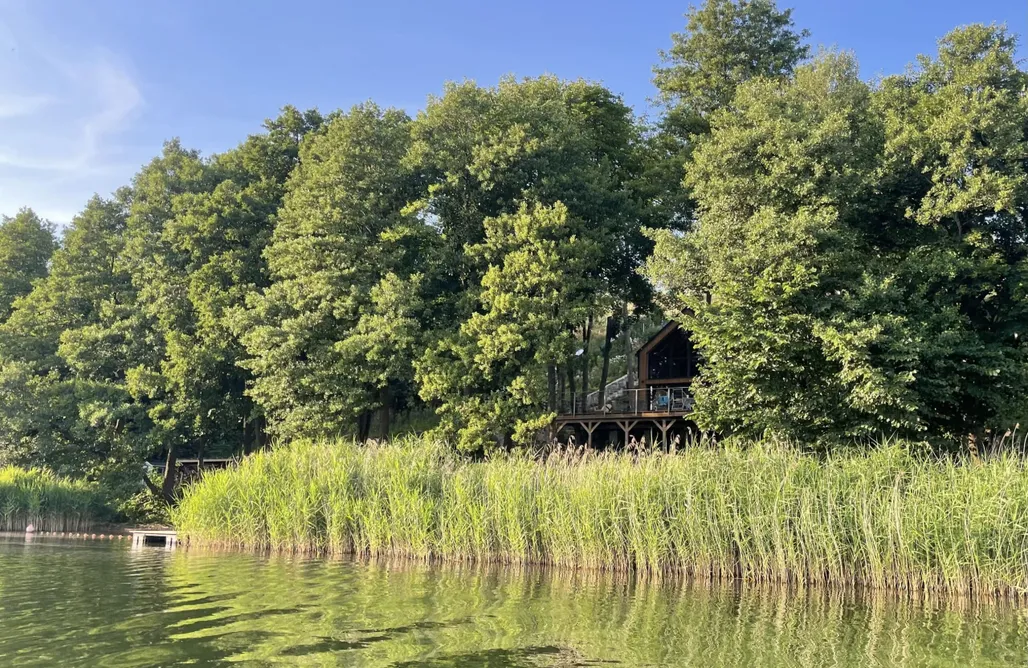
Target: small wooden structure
<point>192,466</point>
<point>166,537</point>
<point>668,359</point>
<point>660,402</point>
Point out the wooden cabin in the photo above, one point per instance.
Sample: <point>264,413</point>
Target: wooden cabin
<point>656,406</point>
<point>668,359</point>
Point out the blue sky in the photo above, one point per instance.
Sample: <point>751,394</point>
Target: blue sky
<point>89,89</point>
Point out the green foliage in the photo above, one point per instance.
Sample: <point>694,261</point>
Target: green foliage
<point>883,519</point>
<point>858,260</point>
<point>491,380</point>
<point>338,324</point>
<point>726,43</point>
<point>124,351</point>
<point>536,202</point>
<point>850,258</point>
<point>195,242</point>
<point>61,407</point>
<point>26,244</point>
<point>141,507</point>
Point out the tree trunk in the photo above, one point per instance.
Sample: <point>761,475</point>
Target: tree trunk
<point>608,343</point>
<point>168,484</point>
<point>551,385</point>
<point>386,397</point>
<point>249,435</point>
<point>628,345</point>
<point>561,391</point>
<point>364,426</point>
<point>570,369</point>
<point>587,335</point>
<point>255,437</point>
<point>263,439</point>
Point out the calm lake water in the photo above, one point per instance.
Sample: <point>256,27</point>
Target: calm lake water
<point>91,603</point>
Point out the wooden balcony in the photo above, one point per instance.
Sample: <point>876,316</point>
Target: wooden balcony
<point>657,407</point>
<point>653,401</point>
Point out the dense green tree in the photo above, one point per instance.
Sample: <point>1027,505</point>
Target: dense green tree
<point>195,238</point>
<point>487,152</point>
<point>62,404</point>
<point>334,333</point>
<point>957,137</point>
<point>857,265</point>
<point>26,244</point>
<point>496,380</point>
<point>725,44</point>
<point>126,347</point>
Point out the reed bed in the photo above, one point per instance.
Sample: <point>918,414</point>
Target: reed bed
<point>47,501</point>
<point>883,518</point>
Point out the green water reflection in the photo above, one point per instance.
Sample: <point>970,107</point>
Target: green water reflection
<point>69,603</point>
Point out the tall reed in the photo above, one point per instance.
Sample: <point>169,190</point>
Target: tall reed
<point>47,501</point>
<point>883,518</point>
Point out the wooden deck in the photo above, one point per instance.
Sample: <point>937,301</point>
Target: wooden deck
<point>616,417</point>
<point>663,422</point>
<point>166,537</point>
<point>659,407</point>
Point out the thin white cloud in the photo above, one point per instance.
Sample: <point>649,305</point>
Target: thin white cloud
<point>66,130</point>
<point>65,109</point>
<point>12,106</point>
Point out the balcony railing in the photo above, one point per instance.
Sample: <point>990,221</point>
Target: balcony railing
<point>635,401</point>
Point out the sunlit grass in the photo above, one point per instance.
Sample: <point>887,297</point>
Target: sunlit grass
<point>760,512</point>
<point>46,501</point>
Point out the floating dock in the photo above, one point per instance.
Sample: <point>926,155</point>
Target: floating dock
<point>165,537</point>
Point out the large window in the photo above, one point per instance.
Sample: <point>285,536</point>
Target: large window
<point>673,357</point>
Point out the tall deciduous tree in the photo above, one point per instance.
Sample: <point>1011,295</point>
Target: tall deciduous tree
<point>63,403</point>
<point>488,152</point>
<point>496,379</point>
<point>26,244</point>
<point>858,262</point>
<point>195,238</point>
<point>725,44</point>
<point>957,137</point>
<point>335,330</point>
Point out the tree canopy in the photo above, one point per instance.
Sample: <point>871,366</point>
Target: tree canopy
<point>857,263</point>
<point>26,244</point>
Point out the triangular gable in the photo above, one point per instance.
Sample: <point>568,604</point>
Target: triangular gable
<point>669,326</point>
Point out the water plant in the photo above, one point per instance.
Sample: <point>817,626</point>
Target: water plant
<point>47,501</point>
<point>885,518</point>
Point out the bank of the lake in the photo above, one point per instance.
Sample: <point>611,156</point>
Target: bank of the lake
<point>48,502</point>
<point>883,519</point>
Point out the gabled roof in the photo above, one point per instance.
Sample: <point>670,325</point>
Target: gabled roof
<point>667,328</point>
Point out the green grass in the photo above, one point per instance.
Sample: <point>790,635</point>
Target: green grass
<point>47,501</point>
<point>885,519</point>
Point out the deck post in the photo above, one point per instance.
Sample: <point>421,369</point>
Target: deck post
<point>627,426</point>
<point>589,427</point>
<point>663,426</point>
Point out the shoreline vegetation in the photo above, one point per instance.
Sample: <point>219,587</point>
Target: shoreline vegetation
<point>48,502</point>
<point>884,519</point>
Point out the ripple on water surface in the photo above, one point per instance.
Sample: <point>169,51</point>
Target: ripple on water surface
<point>74,603</point>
